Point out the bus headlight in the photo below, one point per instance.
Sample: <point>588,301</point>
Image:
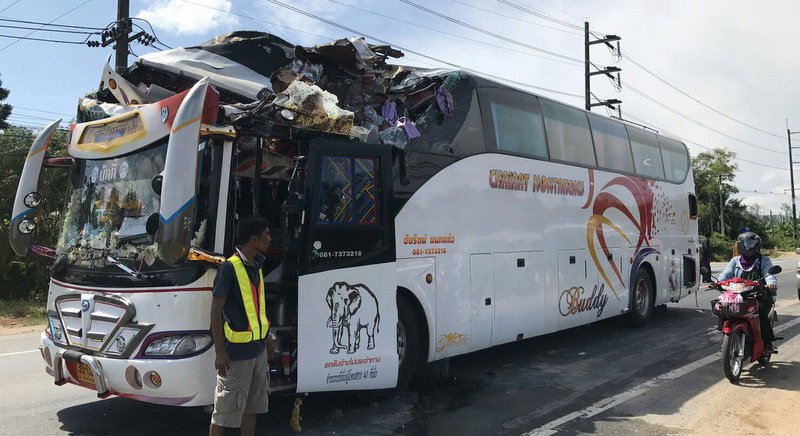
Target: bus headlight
<point>178,345</point>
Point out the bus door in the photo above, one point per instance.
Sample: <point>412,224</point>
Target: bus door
<point>347,307</point>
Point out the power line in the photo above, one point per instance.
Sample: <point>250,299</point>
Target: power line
<point>697,144</point>
<point>152,31</point>
<point>12,4</point>
<point>448,33</point>
<point>80,32</point>
<point>25,38</point>
<point>641,66</point>
<point>511,17</point>
<point>50,22</point>
<point>486,32</point>
<point>258,20</point>
<point>39,110</point>
<point>542,15</point>
<point>661,79</point>
<point>692,120</point>
<point>354,31</point>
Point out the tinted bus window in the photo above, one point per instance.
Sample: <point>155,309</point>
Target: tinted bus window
<point>611,144</point>
<point>516,122</point>
<point>646,154</point>
<point>568,134</point>
<point>676,159</point>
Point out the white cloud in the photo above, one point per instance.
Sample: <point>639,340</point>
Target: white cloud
<point>189,19</point>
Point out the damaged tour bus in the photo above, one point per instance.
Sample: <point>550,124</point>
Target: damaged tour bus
<point>416,215</point>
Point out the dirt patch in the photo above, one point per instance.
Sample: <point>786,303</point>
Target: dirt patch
<point>15,325</point>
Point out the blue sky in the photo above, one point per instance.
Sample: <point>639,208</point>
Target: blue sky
<point>735,58</point>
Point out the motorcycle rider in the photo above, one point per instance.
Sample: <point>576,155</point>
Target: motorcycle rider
<point>751,265</point>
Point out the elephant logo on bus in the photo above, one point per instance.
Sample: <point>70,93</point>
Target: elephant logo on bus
<point>353,308</point>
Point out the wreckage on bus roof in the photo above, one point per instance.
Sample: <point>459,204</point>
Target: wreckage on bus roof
<point>345,87</point>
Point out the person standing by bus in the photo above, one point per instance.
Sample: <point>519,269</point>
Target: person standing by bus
<point>240,328</point>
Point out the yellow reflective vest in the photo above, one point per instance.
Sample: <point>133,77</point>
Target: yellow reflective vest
<point>254,306</point>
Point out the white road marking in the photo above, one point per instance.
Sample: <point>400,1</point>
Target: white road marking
<point>18,352</point>
<point>611,402</point>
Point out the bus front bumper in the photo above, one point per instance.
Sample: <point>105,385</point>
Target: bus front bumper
<point>179,381</point>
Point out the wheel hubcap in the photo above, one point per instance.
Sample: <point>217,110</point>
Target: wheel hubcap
<point>641,296</point>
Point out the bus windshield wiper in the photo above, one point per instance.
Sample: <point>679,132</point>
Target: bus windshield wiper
<point>119,265</point>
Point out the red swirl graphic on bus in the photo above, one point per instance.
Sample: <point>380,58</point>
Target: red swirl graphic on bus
<point>642,192</point>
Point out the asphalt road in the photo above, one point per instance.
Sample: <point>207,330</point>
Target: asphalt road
<point>604,378</point>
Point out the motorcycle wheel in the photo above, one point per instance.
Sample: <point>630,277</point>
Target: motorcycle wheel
<point>733,355</point>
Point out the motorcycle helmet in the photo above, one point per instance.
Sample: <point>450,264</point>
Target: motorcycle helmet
<point>748,244</point>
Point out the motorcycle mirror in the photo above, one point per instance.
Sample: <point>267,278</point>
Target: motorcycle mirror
<point>776,269</point>
<point>704,270</point>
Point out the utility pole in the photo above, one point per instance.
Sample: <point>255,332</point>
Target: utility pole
<point>789,134</point>
<point>123,16</point>
<point>608,71</point>
<point>722,205</point>
<point>721,210</point>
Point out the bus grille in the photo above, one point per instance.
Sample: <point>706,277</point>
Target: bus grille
<point>91,321</point>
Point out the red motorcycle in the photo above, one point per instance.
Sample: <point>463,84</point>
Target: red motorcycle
<point>737,309</point>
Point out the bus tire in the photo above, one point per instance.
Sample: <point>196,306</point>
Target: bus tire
<point>642,299</point>
<point>408,342</point>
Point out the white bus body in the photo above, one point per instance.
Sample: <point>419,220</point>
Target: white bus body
<point>526,217</point>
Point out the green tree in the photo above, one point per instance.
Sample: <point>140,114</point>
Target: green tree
<point>28,277</point>
<point>713,173</point>
<point>5,108</point>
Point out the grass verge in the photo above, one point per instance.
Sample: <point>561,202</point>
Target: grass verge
<point>22,312</point>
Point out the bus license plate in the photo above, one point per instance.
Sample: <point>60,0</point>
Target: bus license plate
<point>84,374</point>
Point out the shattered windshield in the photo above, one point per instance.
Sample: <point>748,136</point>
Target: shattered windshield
<point>110,201</point>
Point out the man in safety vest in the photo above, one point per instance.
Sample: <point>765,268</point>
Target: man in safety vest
<point>239,325</point>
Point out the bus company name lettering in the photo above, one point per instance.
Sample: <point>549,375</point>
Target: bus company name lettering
<point>572,301</point>
<point>514,181</point>
<point>558,186</point>
<point>510,180</point>
<point>416,239</point>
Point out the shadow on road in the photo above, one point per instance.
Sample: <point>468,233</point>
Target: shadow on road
<point>775,375</point>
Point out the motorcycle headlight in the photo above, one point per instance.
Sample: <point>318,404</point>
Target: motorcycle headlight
<point>178,345</point>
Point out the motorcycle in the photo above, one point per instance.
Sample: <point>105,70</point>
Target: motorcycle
<point>737,309</point>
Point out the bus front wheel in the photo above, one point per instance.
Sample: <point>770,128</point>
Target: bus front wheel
<point>408,342</point>
<point>642,299</point>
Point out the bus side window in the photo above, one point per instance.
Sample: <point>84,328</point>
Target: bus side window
<point>458,135</point>
<point>676,159</point>
<point>611,144</point>
<point>646,153</point>
<point>568,134</point>
<point>513,122</point>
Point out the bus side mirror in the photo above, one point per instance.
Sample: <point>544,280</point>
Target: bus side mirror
<point>156,183</point>
<point>776,269</point>
<point>151,226</point>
